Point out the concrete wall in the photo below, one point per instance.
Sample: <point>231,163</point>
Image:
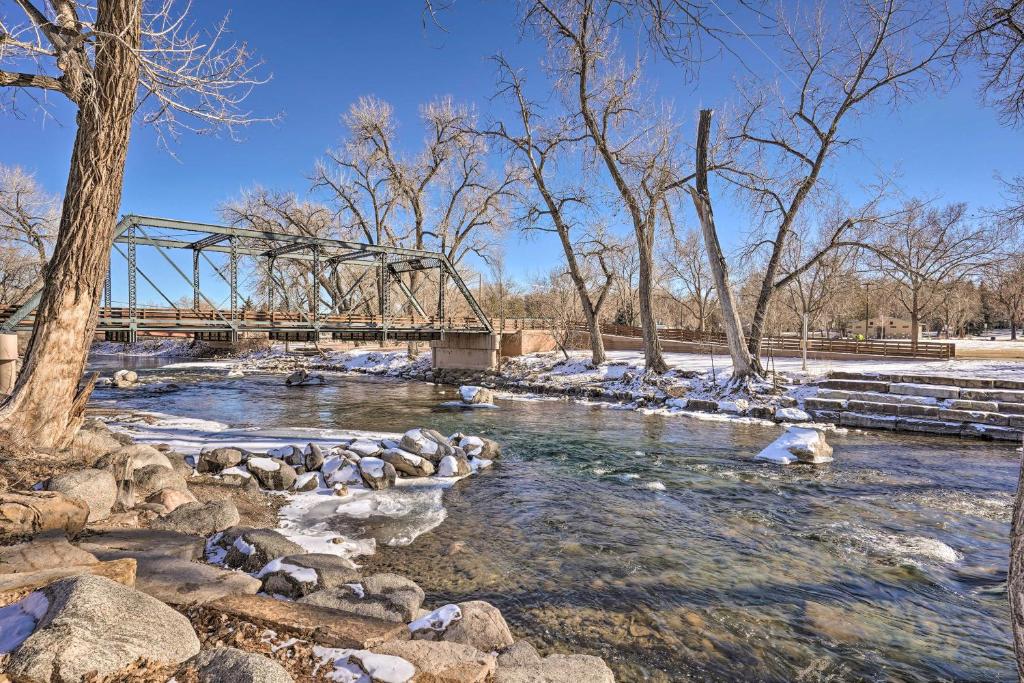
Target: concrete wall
<point>527,341</point>
<point>465,351</point>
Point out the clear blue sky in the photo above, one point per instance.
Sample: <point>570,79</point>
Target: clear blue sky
<point>333,52</point>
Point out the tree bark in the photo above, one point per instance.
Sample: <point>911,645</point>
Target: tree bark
<point>1015,580</point>
<point>915,332</point>
<point>46,407</point>
<point>653,359</point>
<point>742,367</point>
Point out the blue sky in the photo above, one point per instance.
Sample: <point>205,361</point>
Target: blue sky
<point>947,147</point>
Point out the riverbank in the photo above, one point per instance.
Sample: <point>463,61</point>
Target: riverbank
<point>200,535</point>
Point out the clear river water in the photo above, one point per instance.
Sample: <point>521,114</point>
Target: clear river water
<point>659,544</point>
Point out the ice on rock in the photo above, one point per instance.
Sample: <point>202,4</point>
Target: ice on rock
<point>300,574</point>
<point>439,620</point>
<point>473,445</point>
<point>362,666</point>
<point>791,415</point>
<point>364,447</point>
<point>373,467</point>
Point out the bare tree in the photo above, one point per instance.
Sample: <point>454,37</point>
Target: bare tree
<point>538,148</point>
<point>873,53</point>
<point>635,143</point>
<point>28,223</point>
<point>98,58</point>
<point>995,38</point>
<point>924,249</point>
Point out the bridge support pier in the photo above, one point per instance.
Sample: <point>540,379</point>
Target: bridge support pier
<point>8,363</point>
<point>465,351</point>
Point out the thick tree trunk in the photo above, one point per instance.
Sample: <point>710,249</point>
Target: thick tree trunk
<point>915,332</point>
<point>1015,580</point>
<point>653,359</point>
<point>597,354</point>
<point>1013,329</point>
<point>46,407</point>
<point>742,365</point>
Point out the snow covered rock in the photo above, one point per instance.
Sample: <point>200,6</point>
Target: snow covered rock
<point>364,448</point>
<point>476,446</point>
<point>271,473</point>
<point>96,487</point>
<point>251,549</point>
<point>360,666</point>
<point>90,623</point>
<point>125,379</point>
<point>384,596</point>
<point>801,444</point>
<point>199,519</point>
<point>791,415</point>
<point>736,407</point>
<point>308,481</point>
<point>230,664</point>
<point>473,395</point>
<point>431,625</point>
<point>343,473</point>
<point>427,443</point>
<point>377,474</point>
<point>297,575</point>
<point>453,466</point>
<point>218,459</point>
<point>303,377</point>
<point>408,463</point>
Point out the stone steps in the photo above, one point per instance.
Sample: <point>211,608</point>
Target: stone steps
<point>965,407</point>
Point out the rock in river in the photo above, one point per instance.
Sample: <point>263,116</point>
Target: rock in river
<point>408,463</point>
<point>798,443</point>
<point>377,474</point>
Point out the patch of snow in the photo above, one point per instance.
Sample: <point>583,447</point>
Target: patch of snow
<point>264,464</point>
<point>362,666</point>
<point>358,589</point>
<point>792,415</point>
<point>239,470</point>
<point>364,447</point>
<point>300,574</point>
<point>18,621</point>
<point>448,467</point>
<point>242,546</point>
<point>439,620</point>
<point>655,486</point>
<point>373,467</point>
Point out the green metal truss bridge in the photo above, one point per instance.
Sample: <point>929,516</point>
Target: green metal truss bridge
<point>322,310</point>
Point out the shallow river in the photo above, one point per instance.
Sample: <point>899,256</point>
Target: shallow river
<point>659,544</point>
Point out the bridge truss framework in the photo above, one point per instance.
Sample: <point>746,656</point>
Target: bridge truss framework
<point>387,265</point>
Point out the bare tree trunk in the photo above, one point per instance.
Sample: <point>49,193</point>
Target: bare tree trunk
<point>653,359</point>
<point>46,407</point>
<point>742,367</point>
<point>915,332</point>
<point>1015,580</point>
<point>1013,329</point>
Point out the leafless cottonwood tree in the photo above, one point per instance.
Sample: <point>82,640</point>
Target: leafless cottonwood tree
<point>28,224</point>
<point>634,142</point>
<point>99,57</point>
<point>923,249</point>
<point>840,59</point>
<point>959,305</point>
<point>995,39</point>
<point>538,146</point>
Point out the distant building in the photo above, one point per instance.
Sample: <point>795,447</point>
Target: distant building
<point>884,327</point>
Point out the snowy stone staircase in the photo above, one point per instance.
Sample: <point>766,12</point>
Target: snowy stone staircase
<point>935,404</point>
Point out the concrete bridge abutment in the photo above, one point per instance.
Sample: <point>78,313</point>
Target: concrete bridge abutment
<point>465,351</point>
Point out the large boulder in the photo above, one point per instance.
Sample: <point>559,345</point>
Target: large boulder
<point>384,596</point>
<point>473,395</point>
<point>481,626</point>
<point>477,446</point>
<point>408,463</point>
<point>802,444</point>
<point>24,513</point>
<point>556,669</point>
<point>215,460</point>
<point>152,478</point>
<point>183,546</point>
<point>251,549</point>
<point>200,519</point>
<point>272,473</point>
<point>237,666</point>
<point>137,455</point>
<point>313,457</point>
<point>442,661</point>
<point>96,487</point>
<point>297,575</point>
<point>171,499</point>
<point>89,444</point>
<point>364,448</point>
<point>376,473</point>
<point>45,551</point>
<point>90,623</point>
